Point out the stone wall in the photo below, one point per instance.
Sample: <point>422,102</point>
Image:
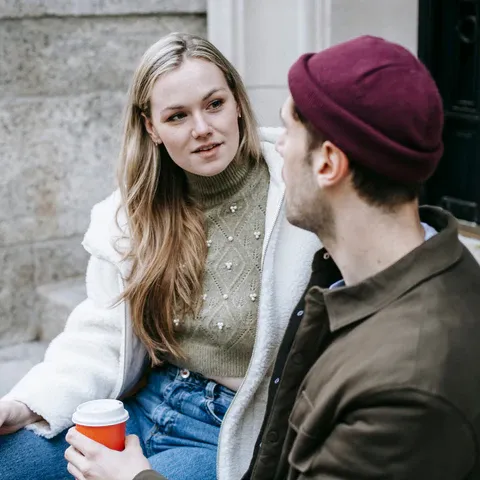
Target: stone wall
<point>64,70</point>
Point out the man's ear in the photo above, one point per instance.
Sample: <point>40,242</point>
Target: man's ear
<point>151,130</point>
<point>330,164</point>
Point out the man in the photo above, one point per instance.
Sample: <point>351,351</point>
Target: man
<point>378,376</point>
<point>382,380</point>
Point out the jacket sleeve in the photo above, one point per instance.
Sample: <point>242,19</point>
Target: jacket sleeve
<point>149,475</point>
<point>405,436</point>
<point>83,362</point>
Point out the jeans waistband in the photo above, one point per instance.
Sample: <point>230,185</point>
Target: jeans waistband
<point>187,376</point>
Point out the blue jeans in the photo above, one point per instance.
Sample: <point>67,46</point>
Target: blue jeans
<point>177,417</point>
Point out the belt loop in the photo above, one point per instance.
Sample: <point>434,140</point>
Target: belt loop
<point>210,390</point>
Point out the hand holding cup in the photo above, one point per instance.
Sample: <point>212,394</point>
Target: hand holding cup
<point>99,449</point>
<point>90,460</point>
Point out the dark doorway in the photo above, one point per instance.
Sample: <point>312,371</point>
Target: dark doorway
<point>449,45</point>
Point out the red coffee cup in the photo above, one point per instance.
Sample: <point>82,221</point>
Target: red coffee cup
<point>103,421</point>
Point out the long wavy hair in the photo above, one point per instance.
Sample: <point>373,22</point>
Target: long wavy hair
<point>167,238</point>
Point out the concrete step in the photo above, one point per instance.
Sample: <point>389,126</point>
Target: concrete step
<point>57,300</point>
<point>16,361</point>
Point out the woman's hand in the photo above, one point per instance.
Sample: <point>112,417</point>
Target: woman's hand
<point>89,460</point>
<point>14,416</point>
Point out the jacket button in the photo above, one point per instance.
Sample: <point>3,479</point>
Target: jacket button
<point>297,359</point>
<point>272,436</point>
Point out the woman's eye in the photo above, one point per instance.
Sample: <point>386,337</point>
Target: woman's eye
<point>176,117</point>
<point>216,104</point>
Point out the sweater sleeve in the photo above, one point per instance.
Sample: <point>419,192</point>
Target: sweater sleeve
<point>83,362</point>
<point>402,435</point>
<point>149,475</point>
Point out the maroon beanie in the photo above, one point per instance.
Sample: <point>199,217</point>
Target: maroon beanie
<point>375,101</point>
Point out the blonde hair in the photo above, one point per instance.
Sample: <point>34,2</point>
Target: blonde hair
<point>166,228</point>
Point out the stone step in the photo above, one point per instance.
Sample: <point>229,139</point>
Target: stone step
<point>57,300</point>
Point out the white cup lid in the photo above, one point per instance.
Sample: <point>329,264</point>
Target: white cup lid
<point>100,413</point>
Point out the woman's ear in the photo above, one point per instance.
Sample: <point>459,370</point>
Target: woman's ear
<point>151,130</point>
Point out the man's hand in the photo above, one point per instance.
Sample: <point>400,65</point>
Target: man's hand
<point>89,460</point>
<point>14,416</point>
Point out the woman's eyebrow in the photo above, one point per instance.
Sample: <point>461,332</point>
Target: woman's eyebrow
<point>209,94</point>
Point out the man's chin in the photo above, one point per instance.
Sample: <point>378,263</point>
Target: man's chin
<point>297,220</point>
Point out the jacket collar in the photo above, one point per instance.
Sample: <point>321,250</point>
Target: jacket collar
<point>347,305</point>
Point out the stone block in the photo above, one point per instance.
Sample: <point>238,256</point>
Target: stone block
<point>18,319</point>
<point>35,8</point>
<point>17,268</point>
<point>64,163</point>
<point>67,56</point>
<point>17,315</point>
<point>59,259</point>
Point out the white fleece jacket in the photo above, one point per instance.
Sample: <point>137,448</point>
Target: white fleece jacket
<point>98,356</point>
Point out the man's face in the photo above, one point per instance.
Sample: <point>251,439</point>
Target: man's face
<point>307,206</point>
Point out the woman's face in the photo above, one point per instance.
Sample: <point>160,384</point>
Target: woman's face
<point>195,115</point>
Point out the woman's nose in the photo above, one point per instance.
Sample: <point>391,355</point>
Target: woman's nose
<point>201,127</point>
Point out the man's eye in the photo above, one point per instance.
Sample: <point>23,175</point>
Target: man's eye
<point>176,117</point>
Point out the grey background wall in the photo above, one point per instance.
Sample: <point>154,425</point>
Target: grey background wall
<point>64,71</point>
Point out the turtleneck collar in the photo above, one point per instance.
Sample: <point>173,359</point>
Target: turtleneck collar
<point>211,191</point>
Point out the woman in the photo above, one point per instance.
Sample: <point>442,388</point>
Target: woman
<point>193,270</point>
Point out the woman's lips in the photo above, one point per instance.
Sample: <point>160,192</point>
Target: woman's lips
<point>209,153</point>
